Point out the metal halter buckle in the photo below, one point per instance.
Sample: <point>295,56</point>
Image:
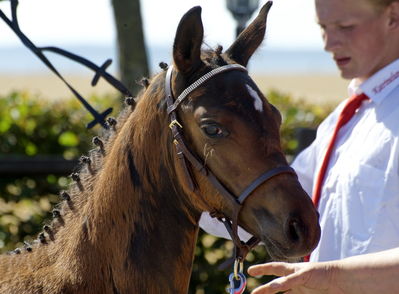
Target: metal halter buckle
<point>174,123</point>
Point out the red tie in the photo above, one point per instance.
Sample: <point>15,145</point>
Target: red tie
<point>347,113</point>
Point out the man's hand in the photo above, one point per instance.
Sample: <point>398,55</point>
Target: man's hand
<point>296,278</point>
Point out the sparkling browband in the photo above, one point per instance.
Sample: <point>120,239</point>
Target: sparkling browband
<point>202,80</point>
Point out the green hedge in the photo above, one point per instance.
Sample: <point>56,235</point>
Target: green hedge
<point>31,126</point>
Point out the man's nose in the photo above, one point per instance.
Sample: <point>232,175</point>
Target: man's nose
<point>331,41</point>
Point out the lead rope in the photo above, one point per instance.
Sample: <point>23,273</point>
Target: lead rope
<point>237,279</point>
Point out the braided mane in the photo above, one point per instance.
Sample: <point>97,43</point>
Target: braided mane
<point>87,172</point>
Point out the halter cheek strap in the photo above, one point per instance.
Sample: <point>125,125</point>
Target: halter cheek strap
<point>187,159</point>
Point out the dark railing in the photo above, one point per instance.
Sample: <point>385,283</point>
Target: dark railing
<point>15,166</point>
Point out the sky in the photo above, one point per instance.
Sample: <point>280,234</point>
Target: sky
<point>291,23</point>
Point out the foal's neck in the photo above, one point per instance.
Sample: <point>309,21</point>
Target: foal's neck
<point>138,229</point>
<point>127,228</point>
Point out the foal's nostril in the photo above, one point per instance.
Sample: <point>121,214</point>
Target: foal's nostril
<point>295,231</point>
<point>300,236</point>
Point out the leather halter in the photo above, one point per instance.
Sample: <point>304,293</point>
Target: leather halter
<point>187,159</point>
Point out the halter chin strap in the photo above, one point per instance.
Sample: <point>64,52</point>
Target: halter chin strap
<point>187,158</point>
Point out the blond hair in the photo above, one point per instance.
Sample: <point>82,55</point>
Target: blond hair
<point>382,3</point>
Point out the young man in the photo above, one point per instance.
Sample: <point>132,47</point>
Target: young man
<point>359,195</point>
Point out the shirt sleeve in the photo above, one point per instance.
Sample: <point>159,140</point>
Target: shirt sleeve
<point>214,227</point>
<point>305,165</point>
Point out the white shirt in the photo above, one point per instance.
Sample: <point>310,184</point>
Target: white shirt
<point>359,205</point>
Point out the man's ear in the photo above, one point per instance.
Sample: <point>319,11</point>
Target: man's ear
<point>188,41</point>
<point>393,13</point>
<point>250,39</point>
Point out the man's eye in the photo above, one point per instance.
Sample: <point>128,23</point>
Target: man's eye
<point>346,27</point>
<point>214,131</point>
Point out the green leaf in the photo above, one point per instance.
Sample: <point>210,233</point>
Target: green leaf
<point>68,139</point>
<point>5,125</point>
<point>30,149</point>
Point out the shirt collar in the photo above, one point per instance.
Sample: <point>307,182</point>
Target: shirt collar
<point>379,85</point>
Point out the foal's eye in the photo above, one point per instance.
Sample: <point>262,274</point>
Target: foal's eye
<point>214,131</point>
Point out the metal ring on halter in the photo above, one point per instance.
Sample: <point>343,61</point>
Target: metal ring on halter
<point>238,268</point>
<point>237,286</point>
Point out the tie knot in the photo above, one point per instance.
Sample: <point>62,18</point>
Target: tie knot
<point>357,98</point>
<point>350,108</point>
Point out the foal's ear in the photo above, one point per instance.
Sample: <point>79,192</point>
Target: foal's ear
<point>250,39</point>
<point>188,41</point>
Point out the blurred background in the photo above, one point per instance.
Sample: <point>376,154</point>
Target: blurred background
<point>291,58</point>
<point>42,126</point>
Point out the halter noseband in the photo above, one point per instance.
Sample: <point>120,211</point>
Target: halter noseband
<point>186,157</point>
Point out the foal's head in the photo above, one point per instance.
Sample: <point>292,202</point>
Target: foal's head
<point>232,128</point>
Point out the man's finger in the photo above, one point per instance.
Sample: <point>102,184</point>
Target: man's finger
<point>272,268</point>
<point>294,280</point>
<point>274,286</point>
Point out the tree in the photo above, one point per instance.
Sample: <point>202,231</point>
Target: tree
<point>132,54</point>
